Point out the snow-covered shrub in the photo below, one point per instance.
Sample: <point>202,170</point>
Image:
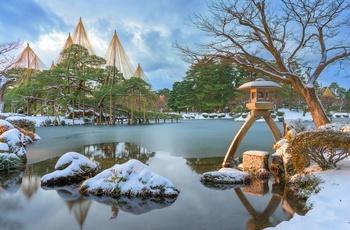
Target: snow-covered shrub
<point>10,162</point>
<point>303,186</point>
<point>55,122</point>
<point>337,126</point>
<point>5,126</point>
<point>293,127</point>
<point>47,122</point>
<point>15,141</point>
<point>325,147</point>
<point>22,123</point>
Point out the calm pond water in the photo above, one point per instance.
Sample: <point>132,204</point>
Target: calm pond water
<point>179,151</point>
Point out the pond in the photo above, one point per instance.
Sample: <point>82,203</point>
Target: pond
<point>180,152</point>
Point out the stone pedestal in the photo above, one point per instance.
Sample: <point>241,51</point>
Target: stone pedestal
<point>254,160</point>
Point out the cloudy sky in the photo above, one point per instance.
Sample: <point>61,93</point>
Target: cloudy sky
<point>146,28</point>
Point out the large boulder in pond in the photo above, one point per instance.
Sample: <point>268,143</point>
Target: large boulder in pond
<point>132,179</point>
<point>71,168</point>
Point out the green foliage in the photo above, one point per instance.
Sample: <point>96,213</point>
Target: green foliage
<point>325,147</point>
<point>78,83</point>
<point>209,86</point>
<point>10,162</point>
<point>24,124</point>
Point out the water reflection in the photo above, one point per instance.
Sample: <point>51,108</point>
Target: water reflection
<point>109,154</point>
<point>133,205</point>
<point>24,203</point>
<point>11,181</point>
<point>259,218</point>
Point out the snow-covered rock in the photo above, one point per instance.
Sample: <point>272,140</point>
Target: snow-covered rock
<point>225,176</point>
<point>132,179</point>
<point>72,167</point>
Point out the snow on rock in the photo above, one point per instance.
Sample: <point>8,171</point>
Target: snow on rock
<point>72,167</point>
<point>15,141</point>
<point>226,176</point>
<point>132,179</point>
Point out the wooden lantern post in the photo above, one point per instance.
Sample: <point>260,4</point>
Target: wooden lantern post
<point>259,105</point>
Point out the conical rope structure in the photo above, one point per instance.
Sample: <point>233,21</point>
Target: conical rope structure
<point>67,44</point>
<point>31,62</point>
<point>117,57</point>
<point>80,37</point>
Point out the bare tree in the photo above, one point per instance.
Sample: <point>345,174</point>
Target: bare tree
<point>6,61</point>
<point>269,37</point>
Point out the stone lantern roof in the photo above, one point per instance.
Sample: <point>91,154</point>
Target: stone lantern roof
<point>259,83</point>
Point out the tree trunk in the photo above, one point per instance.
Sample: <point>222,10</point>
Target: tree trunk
<point>317,112</point>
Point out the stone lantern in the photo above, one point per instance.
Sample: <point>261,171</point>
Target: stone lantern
<point>259,105</point>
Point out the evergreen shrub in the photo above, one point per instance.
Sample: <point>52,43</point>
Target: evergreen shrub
<point>324,147</point>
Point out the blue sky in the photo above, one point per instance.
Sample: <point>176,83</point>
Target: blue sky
<point>146,28</point>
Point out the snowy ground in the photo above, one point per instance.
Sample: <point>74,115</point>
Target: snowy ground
<point>330,207</point>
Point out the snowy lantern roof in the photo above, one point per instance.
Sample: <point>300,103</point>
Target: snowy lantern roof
<point>259,83</point>
<point>259,93</point>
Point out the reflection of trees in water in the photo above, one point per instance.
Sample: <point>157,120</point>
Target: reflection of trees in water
<point>109,154</point>
<point>28,182</point>
<point>281,194</point>
<point>206,164</point>
<point>10,183</point>
<point>74,201</point>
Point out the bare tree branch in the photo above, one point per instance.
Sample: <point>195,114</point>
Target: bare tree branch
<point>7,61</point>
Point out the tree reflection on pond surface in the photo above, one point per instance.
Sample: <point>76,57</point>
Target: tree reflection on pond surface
<point>26,205</point>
